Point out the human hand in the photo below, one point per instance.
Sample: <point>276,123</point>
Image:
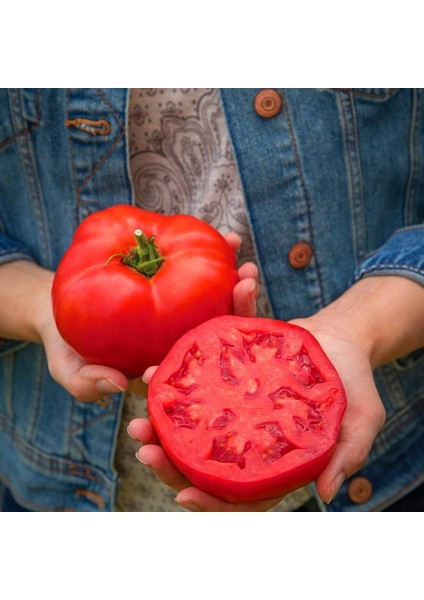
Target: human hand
<point>374,322</point>
<point>25,294</point>
<point>364,415</point>
<point>363,419</point>
<point>363,329</point>
<point>86,382</point>
<point>152,454</point>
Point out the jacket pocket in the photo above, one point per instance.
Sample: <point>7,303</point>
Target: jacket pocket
<point>20,113</point>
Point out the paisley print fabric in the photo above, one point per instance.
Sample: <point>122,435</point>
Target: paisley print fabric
<point>181,162</point>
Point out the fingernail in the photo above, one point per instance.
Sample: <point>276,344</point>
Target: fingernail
<point>189,505</point>
<point>108,386</point>
<point>335,486</point>
<point>141,460</point>
<point>129,433</point>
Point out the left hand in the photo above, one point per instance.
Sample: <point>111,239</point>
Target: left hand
<point>152,454</point>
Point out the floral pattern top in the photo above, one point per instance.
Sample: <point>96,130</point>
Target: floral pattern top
<point>181,161</point>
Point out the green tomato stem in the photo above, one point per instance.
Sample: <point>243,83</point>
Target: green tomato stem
<point>145,258</point>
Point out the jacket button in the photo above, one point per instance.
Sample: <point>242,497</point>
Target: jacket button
<point>300,255</point>
<point>268,103</point>
<point>359,490</point>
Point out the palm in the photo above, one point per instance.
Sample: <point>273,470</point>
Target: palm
<point>364,414</point>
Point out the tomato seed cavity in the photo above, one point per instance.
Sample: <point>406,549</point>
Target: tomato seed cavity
<point>222,451</point>
<point>264,340</point>
<point>175,379</point>
<point>279,447</point>
<point>227,373</point>
<point>179,412</point>
<point>224,419</point>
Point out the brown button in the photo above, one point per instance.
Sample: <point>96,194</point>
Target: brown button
<point>268,103</point>
<point>359,490</point>
<point>300,255</point>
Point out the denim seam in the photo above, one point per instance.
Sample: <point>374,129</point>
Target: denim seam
<point>8,376</point>
<point>402,411</point>
<point>383,265</point>
<point>109,105</point>
<point>112,147</point>
<point>50,463</point>
<point>37,393</point>
<point>414,157</point>
<point>100,163</point>
<point>127,148</point>
<point>399,495</point>
<point>13,250</point>
<point>23,502</point>
<point>11,139</point>
<point>71,156</point>
<point>79,187</point>
<point>109,410</point>
<point>354,175</point>
<point>28,129</point>
<point>305,196</point>
<point>373,95</point>
<point>35,193</point>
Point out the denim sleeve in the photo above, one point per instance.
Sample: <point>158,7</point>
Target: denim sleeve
<point>12,250</point>
<point>402,254</point>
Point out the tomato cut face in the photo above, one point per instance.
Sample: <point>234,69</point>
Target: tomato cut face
<point>248,409</point>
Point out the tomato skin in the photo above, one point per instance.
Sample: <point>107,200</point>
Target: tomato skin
<point>112,315</point>
<point>247,409</point>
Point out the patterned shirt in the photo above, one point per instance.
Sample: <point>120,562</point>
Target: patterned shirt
<point>181,161</point>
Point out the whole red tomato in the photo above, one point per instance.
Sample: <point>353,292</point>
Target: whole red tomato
<point>133,281</point>
<point>247,409</point>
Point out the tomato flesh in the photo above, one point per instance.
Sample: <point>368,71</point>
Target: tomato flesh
<point>247,409</point>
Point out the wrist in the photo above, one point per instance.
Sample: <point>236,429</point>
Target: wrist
<point>42,314</point>
<point>25,291</point>
<point>383,315</point>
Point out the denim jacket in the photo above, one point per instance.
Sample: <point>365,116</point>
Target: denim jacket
<point>339,169</point>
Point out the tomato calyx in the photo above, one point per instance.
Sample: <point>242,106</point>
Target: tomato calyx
<point>145,258</point>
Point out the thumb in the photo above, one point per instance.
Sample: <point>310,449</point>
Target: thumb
<point>91,382</point>
<point>362,422</point>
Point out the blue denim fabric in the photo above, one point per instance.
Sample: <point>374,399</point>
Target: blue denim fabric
<point>344,171</point>
<point>55,453</point>
<point>8,502</point>
<point>340,169</point>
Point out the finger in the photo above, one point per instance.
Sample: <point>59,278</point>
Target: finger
<point>248,269</point>
<point>233,240</point>
<point>154,456</point>
<point>142,430</point>
<point>89,383</point>
<point>357,434</point>
<point>148,374</point>
<point>244,297</point>
<point>198,501</point>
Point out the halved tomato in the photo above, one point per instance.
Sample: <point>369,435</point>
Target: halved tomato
<point>248,409</point>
